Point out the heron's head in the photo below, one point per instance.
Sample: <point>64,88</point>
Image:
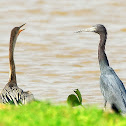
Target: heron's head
<point>15,32</point>
<point>99,28</point>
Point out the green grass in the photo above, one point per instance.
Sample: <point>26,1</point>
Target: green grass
<point>46,114</point>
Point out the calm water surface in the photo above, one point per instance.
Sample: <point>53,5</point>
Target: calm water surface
<point>51,60</point>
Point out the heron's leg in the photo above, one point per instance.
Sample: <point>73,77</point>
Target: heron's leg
<point>105,105</point>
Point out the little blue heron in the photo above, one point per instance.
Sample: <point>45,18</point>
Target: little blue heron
<point>111,86</point>
<point>11,92</point>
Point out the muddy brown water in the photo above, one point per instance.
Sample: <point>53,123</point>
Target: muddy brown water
<point>51,60</point>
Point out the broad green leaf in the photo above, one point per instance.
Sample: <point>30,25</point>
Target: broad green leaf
<point>79,95</point>
<point>73,100</point>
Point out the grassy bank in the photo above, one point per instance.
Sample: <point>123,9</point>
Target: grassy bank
<point>45,114</point>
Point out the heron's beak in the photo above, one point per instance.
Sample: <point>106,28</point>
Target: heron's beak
<point>21,29</point>
<point>22,25</point>
<point>92,29</point>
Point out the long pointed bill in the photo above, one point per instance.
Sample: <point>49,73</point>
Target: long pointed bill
<point>92,29</point>
<point>21,29</point>
<point>22,25</point>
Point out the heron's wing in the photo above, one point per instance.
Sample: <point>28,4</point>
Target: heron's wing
<point>26,97</point>
<point>113,88</point>
<point>11,94</point>
<point>16,95</point>
<point>7,95</point>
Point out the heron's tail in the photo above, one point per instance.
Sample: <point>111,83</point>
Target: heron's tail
<point>115,109</point>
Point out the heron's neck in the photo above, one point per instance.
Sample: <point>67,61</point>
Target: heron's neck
<point>12,76</point>
<point>103,61</point>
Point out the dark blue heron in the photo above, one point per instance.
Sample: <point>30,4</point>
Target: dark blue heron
<point>11,92</point>
<point>111,86</point>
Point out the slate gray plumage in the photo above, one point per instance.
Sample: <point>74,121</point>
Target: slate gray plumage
<point>111,86</point>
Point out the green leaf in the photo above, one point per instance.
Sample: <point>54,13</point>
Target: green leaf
<point>78,95</point>
<point>75,100</point>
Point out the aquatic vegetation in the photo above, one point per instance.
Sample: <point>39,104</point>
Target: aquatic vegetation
<point>75,100</point>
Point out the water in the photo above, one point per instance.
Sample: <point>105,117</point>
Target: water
<point>51,60</point>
